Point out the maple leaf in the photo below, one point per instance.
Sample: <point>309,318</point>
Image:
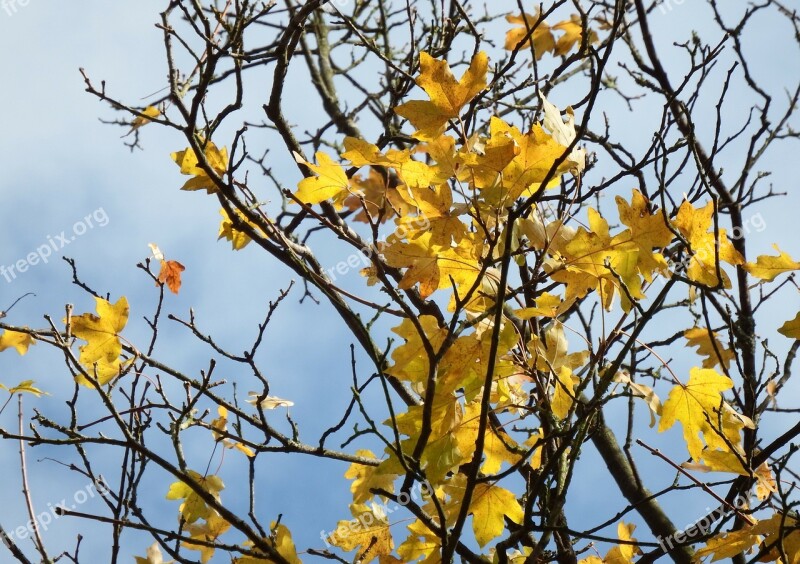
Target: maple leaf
<point>283,543</point>
<point>330,180</point>
<point>767,267</point>
<point>216,158</point>
<point>214,527</point>
<point>778,535</point>
<point>268,402</point>
<point>528,169</point>
<point>448,96</point>
<point>410,361</point>
<point>219,427</point>
<point>542,38</point>
<point>432,266</point>
<point>647,231</point>
<point>595,260</point>
<point>696,225</point>
<point>489,504</point>
<point>422,542</point>
<point>369,532</point>
<point>26,386</point>
<point>101,333</point>
<point>729,544</point>
<point>709,346</point>
<point>16,340</point>
<point>564,392</point>
<point>238,239</point>
<point>193,506</point>
<point>465,363</point>
<point>694,404</point>
<point>573,32</point>
<point>150,112</point>
<point>482,161</point>
<point>765,482</point>
<point>644,392</point>
<point>374,199</point>
<point>550,354</point>
<point>623,553</point>
<point>154,556</point>
<point>171,274</point>
<point>495,450</point>
<point>280,540</point>
<point>563,133</point>
<point>435,216</point>
<point>366,477</point>
<point>547,305</point>
<point>791,328</point>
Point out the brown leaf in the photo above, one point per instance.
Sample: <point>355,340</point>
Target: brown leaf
<point>171,274</point>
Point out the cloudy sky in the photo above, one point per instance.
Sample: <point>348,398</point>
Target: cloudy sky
<point>69,178</point>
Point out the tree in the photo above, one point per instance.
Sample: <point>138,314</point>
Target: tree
<point>511,325</point>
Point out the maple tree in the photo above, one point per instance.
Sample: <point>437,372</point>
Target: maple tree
<point>532,285</point>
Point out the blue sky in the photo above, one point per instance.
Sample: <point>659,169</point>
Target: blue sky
<point>60,165</point>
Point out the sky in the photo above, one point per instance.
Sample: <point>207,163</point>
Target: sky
<point>69,179</point>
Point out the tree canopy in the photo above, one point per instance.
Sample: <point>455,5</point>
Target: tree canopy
<point>537,233</point>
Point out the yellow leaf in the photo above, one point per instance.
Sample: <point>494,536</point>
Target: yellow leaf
<point>422,542</point>
<point>564,392</point>
<point>280,540</point>
<point>791,328</point>
<point>693,405</point>
<point>26,386</point>
<point>432,266</point>
<point>709,346</point>
<point>489,504</point>
<point>154,556</point>
<point>697,226</point>
<point>547,305</point>
<point>644,392</point>
<point>239,239</point>
<point>768,267</point>
<point>573,32</point>
<point>623,553</point>
<point>550,354</point>
<point>448,96</point>
<point>150,112</point>
<point>542,38</point>
<point>729,544</point>
<point>101,333</point>
<point>193,506</point>
<point>410,362</point>
<point>647,231</point>
<point>495,450</point>
<point>538,151</point>
<point>187,159</point>
<point>209,531</point>
<point>284,544</point>
<point>765,482</point>
<point>16,340</point>
<point>369,532</point>
<point>367,477</point>
<point>434,206</point>
<point>330,180</point>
